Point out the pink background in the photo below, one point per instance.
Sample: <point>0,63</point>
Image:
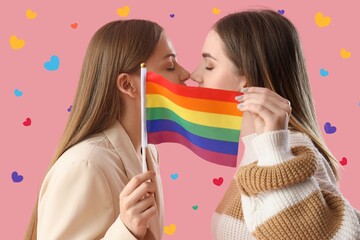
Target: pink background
<point>48,94</point>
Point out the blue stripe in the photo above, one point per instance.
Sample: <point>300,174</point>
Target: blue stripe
<point>205,143</point>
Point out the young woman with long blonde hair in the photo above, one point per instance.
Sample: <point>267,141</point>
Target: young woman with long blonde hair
<point>95,188</point>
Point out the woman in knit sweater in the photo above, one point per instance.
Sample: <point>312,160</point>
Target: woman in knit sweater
<point>286,184</point>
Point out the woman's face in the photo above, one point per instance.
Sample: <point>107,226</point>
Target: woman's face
<point>163,61</point>
<point>216,70</point>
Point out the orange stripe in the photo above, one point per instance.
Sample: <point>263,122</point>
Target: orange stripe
<point>202,105</point>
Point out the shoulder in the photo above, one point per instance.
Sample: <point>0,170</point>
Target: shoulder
<point>95,151</point>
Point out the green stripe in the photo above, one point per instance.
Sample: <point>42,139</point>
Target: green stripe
<point>222,134</point>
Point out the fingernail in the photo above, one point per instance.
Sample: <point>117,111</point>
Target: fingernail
<point>241,105</point>
<point>238,98</point>
<point>244,90</point>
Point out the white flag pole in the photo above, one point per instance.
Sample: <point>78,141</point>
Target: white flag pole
<point>144,141</point>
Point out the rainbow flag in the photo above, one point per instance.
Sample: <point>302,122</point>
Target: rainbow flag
<point>204,120</point>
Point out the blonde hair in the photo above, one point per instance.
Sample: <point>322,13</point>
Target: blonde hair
<point>266,49</point>
<point>117,47</point>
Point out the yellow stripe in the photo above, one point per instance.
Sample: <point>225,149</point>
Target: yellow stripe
<point>202,118</point>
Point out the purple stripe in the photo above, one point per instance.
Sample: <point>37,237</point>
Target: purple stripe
<point>214,157</point>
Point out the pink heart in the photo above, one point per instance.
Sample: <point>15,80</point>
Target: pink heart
<point>218,181</point>
<point>27,122</point>
<point>343,161</point>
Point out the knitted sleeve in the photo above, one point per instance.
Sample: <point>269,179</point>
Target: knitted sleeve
<point>281,198</point>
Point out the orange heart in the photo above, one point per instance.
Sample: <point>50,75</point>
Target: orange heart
<point>123,12</point>
<point>216,11</point>
<point>74,25</point>
<point>16,43</point>
<point>169,230</point>
<point>344,53</point>
<point>30,14</point>
<point>321,20</point>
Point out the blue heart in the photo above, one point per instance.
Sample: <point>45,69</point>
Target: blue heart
<point>329,129</point>
<point>323,72</point>
<point>18,93</point>
<point>172,15</point>
<point>281,12</point>
<point>16,177</point>
<point>53,64</point>
<point>174,176</point>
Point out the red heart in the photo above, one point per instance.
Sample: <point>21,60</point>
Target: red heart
<point>74,25</point>
<point>343,161</point>
<point>218,181</point>
<point>27,122</point>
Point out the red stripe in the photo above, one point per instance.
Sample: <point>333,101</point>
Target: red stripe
<point>214,157</point>
<point>193,92</point>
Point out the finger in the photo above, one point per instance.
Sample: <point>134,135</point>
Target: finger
<point>144,204</point>
<point>259,110</point>
<point>269,102</point>
<point>271,121</point>
<point>141,191</point>
<point>136,181</point>
<point>148,213</point>
<point>266,91</point>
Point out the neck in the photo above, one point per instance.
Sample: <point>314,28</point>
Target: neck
<point>130,120</point>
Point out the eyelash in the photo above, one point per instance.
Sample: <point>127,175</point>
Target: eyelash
<point>209,68</point>
<point>172,68</point>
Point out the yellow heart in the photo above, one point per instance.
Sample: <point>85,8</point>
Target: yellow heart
<point>30,14</point>
<point>123,12</point>
<point>169,230</point>
<point>216,11</point>
<point>344,53</point>
<point>321,20</point>
<point>16,43</point>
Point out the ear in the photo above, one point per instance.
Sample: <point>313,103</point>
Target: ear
<point>243,82</point>
<point>125,85</point>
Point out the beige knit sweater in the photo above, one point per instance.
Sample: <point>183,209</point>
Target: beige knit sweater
<point>284,189</point>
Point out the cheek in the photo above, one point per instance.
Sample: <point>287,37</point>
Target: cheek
<point>171,76</point>
<point>217,79</point>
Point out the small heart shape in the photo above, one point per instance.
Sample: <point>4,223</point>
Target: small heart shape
<point>344,53</point>
<point>174,176</point>
<point>343,161</point>
<point>16,177</point>
<point>74,25</point>
<point>218,181</point>
<point>18,93</point>
<point>322,20</point>
<point>53,64</point>
<point>31,14</point>
<point>27,122</point>
<point>324,73</point>
<point>16,43</point>
<point>329,129</point>
<point>124,11</point>
<point>172,15</point>
<point>216,11</point>
<point>281,12</point>
<point>170,230</point>
<point>195,207</point>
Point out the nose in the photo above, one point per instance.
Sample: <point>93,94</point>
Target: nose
<point>196,76</point>
<point>184,75</point>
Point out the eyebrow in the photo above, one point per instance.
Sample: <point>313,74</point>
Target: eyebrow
<point>208,55</point>
<point>170,55</point>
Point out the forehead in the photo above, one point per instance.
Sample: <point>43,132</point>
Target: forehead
<point>213,43</point>
<point>164,45</point>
